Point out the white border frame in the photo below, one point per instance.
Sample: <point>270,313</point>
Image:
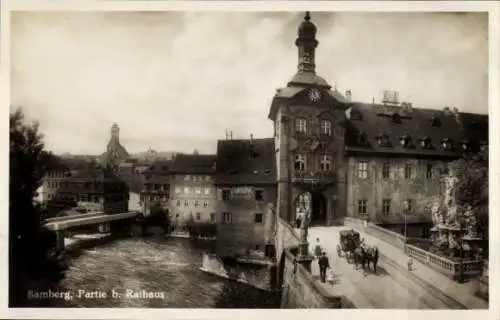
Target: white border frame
<point>492,7</point>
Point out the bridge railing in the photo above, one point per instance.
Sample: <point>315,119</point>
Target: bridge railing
<point>442,264</point>
<point>76,216</point>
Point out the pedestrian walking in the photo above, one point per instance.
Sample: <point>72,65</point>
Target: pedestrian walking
<point>318,249</point>
<point>324,264</point>
<point>410,264</point>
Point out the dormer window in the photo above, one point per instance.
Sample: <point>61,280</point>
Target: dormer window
<point>267,171</point>
<point>405,141</point>
<point>356,115</point>
<point>447,144</point>
<point>435,122</point>
<point>383,140</point>
<point>425,142</point>
<point>396,118</point>
<point>362,139</point>
<point>255,171</point>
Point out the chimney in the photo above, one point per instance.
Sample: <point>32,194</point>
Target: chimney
<point>348,96</point>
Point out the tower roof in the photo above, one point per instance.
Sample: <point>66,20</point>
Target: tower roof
<point>307,29</point>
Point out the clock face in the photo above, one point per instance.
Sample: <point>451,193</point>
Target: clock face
<point>314,95</point>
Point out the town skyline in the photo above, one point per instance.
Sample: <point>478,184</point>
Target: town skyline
<point>140,71</point>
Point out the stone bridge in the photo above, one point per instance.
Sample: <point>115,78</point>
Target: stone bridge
<point>431,282</point>
<point>90,223</point>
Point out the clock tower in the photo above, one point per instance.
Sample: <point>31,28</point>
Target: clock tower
<point>309,122</point>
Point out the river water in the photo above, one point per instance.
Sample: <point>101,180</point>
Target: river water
<point>151,272</point>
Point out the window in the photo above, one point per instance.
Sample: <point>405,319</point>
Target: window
<point>212,216</point>
<point>326,162</point>
<point>300,162</point>
<point>428,172</point>
<point>205,204</point>
<point>408,206</point>
<point>258,218</point>
<point>197,191</point>
<point>326,127</point>
<point>362,169</point>
<point>177,190</point>
<point>408,170</point>
<point>226,195</point>
<point>186,204</point>
<point>187,177</point>
<point>208,191</point>
<point>165,187</point>
<point>198,215</point>
<point>196,203</point>
<point>226,217</point>
<point>259,195</point>
<point>396,118</point>
<point>157,186</point>
<point>386,206</point>
<point>207,178</point>
<point>187,190</point>
<point>362,207</point>
<point>386,170</point>
<point>178,203</point>
<point>301,125</point>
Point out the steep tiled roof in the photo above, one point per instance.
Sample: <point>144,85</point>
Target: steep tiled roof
<point>160,167</point>
<point>380,129</point>
<point>245,161</point>
<point>194,164</point>
<point>90,175</point>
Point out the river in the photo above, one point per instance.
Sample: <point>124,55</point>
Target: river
<point>150,272</point>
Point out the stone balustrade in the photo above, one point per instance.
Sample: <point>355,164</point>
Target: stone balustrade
<point>442,264</point>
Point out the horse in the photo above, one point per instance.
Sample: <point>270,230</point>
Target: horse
<point>364,255</point>
<point>359,257</point>
<point>371,255</point>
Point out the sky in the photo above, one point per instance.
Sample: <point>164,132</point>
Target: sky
<point>175,81</point>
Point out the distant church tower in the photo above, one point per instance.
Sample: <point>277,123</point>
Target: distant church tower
<point>115,152</point>
<point>115,133</point>
<point>309,139</point>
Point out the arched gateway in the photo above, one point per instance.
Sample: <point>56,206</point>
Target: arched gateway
<point>312,203</point>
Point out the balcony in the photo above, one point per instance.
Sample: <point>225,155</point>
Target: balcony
<point>316,179</point>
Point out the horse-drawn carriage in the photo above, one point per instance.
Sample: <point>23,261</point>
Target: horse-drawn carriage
<point>349,240</point>
<point>356,250</point>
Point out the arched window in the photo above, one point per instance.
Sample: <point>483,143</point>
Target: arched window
<point>300,162</point>
<point>326,127</point>
<point>326,162</point>
<point>301,125</point>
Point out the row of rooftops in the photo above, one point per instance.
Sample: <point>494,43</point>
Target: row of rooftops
<point>370,128</point>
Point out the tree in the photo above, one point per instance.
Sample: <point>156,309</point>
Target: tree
<point>471,188</point>
<point>28,241</point>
